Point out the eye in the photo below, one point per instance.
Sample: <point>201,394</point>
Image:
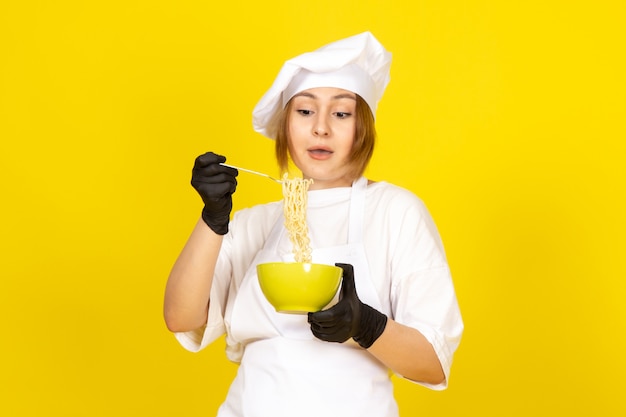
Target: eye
<point>342,114</point>
<point>305,112</point>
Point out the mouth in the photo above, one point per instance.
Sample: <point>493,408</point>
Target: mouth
<point>320,152</point>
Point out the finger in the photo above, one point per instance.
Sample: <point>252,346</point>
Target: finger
<point>329,317</point>
<point>215,180</point>
<point>214,170</point>
<point>205,178</point>
<point>324,324</point>
<point>319,330</point>
<point>214,191</point>
<point>348,287</point>
<point>338,335</point>
<point>331,327</point>
<point>208,159</point>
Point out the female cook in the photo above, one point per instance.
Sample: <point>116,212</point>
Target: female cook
<point>397,309</point>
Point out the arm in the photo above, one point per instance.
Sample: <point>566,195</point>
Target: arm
<point>188,287</point>
<point>406,351</point>
<point>189,284</point>
<point>401,348</point>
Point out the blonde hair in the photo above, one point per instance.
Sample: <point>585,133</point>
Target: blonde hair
<point>362,149</point>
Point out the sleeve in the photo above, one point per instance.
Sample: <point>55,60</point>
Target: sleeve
<point>246,236</point>
<point>422,293</point>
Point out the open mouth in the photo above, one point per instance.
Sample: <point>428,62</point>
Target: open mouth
<point>320,152</point>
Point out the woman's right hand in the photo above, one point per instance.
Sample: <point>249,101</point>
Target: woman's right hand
<point>215,183</point>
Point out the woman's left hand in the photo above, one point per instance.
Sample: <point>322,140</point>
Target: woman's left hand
<point>349,317</point>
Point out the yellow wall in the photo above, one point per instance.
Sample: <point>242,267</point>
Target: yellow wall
<point>506,117</point>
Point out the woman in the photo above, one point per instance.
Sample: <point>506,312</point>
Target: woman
<point>397,311</point>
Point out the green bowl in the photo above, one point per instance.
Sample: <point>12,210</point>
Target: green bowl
<point>294,287</point>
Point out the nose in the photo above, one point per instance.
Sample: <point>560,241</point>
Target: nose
<point>321,127</point>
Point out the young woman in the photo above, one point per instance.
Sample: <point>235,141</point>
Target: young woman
<point>397,310</point>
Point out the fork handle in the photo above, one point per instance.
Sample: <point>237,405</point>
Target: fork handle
<point>250,171</point>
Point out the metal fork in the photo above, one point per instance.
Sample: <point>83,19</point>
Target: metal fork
<point>252,172</point>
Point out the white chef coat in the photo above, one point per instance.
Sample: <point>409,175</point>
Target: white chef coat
<point>408,271</point>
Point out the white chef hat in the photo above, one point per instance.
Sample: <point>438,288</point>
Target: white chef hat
<point>359,64</point>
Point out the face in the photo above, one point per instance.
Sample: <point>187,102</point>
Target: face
<point>322,126</point>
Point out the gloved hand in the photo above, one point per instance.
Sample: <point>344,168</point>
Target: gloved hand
<point>215,183</point>
<point>349,317</point>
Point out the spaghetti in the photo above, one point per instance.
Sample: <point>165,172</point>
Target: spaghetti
<point>294,209</point>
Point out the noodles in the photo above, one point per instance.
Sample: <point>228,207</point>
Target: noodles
<point>294,209</point>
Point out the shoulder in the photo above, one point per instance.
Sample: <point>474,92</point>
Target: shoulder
<point>259,218</point>
<point>402,217</point>
<point>389,197</point>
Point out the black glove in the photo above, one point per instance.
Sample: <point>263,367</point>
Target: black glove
<point>215,183</point>
<point>349,317</point>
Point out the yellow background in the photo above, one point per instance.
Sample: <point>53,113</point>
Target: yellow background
<point>505,117</point>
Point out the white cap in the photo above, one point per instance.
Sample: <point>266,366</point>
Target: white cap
<point>359,64</point>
